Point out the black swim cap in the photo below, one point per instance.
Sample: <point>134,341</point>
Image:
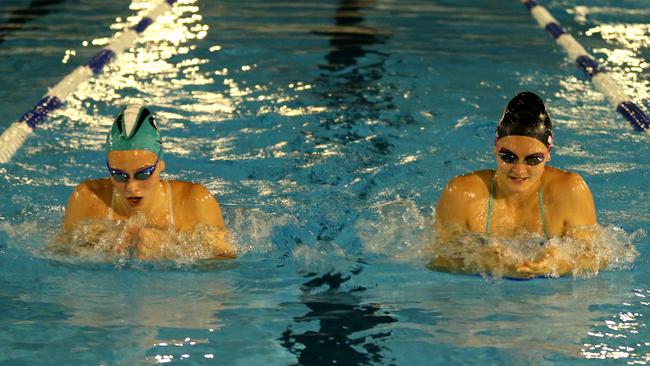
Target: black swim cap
<point>525,115</point>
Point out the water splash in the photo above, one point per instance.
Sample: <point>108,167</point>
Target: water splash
<point>401,232</point>
<point>113,241</point>
<point>253,229</point>
<point>610,248</point>
<point>322,257</point>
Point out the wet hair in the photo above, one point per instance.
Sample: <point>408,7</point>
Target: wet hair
<point>526,115</point>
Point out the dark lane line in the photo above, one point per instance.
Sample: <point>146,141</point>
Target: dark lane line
<point>339,315</point>
<point>348,83</point>
<point>20,17</point>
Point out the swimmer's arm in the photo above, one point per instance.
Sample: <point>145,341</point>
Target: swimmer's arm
<point>451,211</point>
<point>84,223</point>
<point>578,207</point>
<point>206,231</point>
<point>455,246</point>
<point>450,222</point>
<point>579,225</point>
<point>464,254</point>
<point>208,212</point>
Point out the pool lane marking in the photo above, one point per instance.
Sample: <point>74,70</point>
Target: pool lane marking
<point>13,137</point>
<point>585,61</point>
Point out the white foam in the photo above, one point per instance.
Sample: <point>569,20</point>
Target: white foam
<point>320,257</point>
<point>108,241</point>
<point>252,229</point>
<point>401,232</point>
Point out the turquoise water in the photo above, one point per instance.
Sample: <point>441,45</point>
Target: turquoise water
<point>327,131</point>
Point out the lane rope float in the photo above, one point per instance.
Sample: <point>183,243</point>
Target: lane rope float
<point>13,137</point>
<point>585,61</point>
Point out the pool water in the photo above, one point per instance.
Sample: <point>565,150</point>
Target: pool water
<point>327,130</point>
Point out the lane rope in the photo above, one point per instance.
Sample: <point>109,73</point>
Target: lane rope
<point>597,74</point>
<point>13,137</point>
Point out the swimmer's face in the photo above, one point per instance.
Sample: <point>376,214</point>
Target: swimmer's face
<point>520,162</point>
<point>136,192</point>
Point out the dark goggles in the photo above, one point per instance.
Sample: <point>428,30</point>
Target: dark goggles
<point>509,157</point>
<point>141,174</point>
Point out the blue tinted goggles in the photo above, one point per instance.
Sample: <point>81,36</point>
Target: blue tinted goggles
<point>141,174</point>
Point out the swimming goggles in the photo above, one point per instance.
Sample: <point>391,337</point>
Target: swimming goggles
<point>509,157</point>
<point>141,174</point>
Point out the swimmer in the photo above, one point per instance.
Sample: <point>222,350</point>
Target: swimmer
<point>522,195</point>
<point>170,208</point>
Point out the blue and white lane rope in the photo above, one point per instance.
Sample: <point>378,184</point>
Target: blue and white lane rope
<point>598,75</point>
<point>14,136</point>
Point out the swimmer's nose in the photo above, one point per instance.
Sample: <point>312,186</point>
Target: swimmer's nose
<point>520,167</point>
<point>132,187</point>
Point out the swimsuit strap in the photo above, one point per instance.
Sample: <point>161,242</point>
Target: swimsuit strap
<point>489,213</point>
<point>170,207</point>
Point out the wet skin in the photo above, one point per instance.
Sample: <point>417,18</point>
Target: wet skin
<point>192,204</point>
<point>568,203</point>
<point>514,180</point>
<point>137,195</point>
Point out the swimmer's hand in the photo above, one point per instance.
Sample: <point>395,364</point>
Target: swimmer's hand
<point>498,259</point>
<point>123,247</point>
<point>495,252</point>
<point>493,258</point>
<point>548,263</point>
<point>145,242</point>
<point>151,244</point>
<point>222,247</point>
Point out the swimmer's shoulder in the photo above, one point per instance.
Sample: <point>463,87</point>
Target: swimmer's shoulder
<point>89,200</point>
<point>563,183</point>
<point>463,197</point>
<point>569,197</point>
<point>189,190</point>
<point>196,204</point>
<point>472,185</point>
<point>93,191</point>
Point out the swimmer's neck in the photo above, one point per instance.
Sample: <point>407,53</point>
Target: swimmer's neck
<point>157,204</point>
<point>516,199</point>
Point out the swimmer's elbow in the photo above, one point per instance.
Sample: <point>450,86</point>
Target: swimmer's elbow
<point>439,264</point>
<point>222,252</point>
<point>223,249</point>
<point>225,256</point>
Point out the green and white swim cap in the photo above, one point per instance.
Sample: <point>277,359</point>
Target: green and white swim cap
<point>134,129</point>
